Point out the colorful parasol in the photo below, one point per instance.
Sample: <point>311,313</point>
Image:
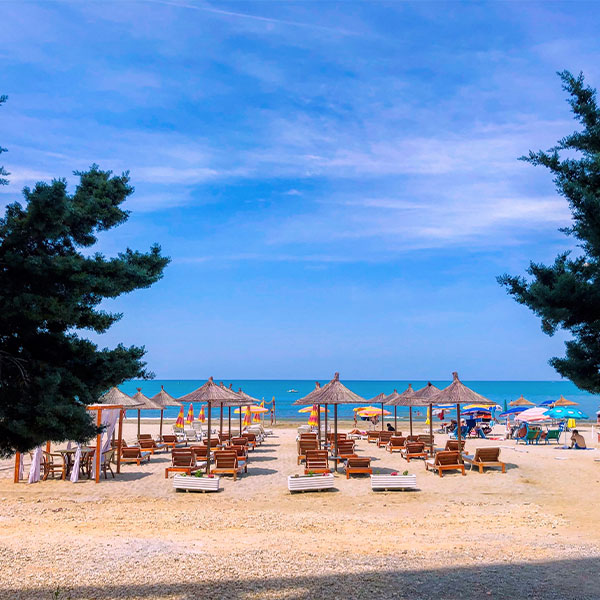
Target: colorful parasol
<point>190,416</point>
<point>201,416</point>
<point>313,419</point>
<point>179,423</point>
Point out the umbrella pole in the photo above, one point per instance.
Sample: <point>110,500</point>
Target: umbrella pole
<point>458,432</point>
<point>208,441</point>
<point>221,421</point>
<point>396,418</point>
<point>431,429</point>
<point>161,424</point>
<point>410,418</point>
<point>326,425</point>
<point>335,440</point>
<point>319,423</point>
<point>382,416</point>
<point>139,414</point>
<point>229,419</point>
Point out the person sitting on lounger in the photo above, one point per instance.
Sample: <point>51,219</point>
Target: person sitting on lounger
<point>577,440</point>
<point>390,427</point>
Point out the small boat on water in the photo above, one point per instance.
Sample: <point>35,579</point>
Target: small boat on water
<point>292,391</point>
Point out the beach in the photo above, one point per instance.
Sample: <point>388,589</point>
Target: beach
<point>533,532</point>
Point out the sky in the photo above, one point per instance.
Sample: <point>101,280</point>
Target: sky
<point>337,184</point>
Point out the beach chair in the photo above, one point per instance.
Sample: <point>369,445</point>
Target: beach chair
<point>308,436</point>
<point>224,438</point>
<point>452,446</point>
<point>316,462</point>
<point>105,464</point>
<point>485,457</point>
<point>226,463</point>
<point>358,464</point>
<point>413,450</point>
<point>134,455</point>
<point>345,448</point>
<point>201,452</point>
<point>151,446</point>
<point>445,461</point>
<point>242,456</point>
<point>463,432</point>
<point>384,438</point>
<point>395,444</point>
<point>552,434</point>
<point>240,441</point>
<point>373,437</point>
<point>304,446</point>
<point>182,461</point>
<point>191,435</point>
<point>171,441</point>
<point>521,433</point>
<point>428,440</point>
<point>252,441</point>
<point>533,436</point>
<point>412,438</point>
<point>53,463</point>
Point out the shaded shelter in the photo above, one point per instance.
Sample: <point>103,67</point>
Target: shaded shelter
<point>458,393</point>
<point>404,399</point>
<point>562,401</point>
<point>211,394</point>
<point>144,403</point>
<point>521,402</point>
<point>334,392</point>
<point>164,400</point>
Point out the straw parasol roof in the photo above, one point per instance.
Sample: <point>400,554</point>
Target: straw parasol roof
<point>427,392</point>
<point>521,402</point>
<point>562,401</point>
<point>380,398</point>
<point>458,393</point>
<point>163,399</point>
<point>334,392</point>
<point>213,393</point>
<point>248,397</point>
<point>406,398</point>
<point>145,403</point>
<point>116,396</point>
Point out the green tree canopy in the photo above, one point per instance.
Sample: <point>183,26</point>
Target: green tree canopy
<point>566,294</point>
<point>51,290</point>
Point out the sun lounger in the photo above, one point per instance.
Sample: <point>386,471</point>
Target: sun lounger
<point>226,463</point>
<point>412,438</point>
<point>183,461</point>
<point>201,452</point>
<point>384,438</point>
<point>373,437</point>
<point>452,446</point>
<point>485,457</point>
<point>552,434</point>
<point>395,443</point>
<point>358,464</point>
<point>413,450</point>
<point>304,446</point>
<point>252,441</point>
<point>345,448</point>
<point>445,461</point>
<point>242,456</point>
<point>134,455</point>
<point>171,441</point>
<point>316,462</point>
<point>533,436</point>
<point>427,439</point>
<point>151,446</point>
<point>191,435</point>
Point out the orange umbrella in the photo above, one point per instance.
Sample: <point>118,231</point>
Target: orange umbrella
<point>179,422</point>
<point>313,420</point>
<point>201,416</point>
<point>190,416</point>
<point>247,417</point>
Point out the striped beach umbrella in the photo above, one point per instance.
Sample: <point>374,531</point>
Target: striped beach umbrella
<point>308,409</point>
<point>313,419</point>
<point>179,422</point>
<point>201,416</point>
<point>190,416</point>
<point>247,417</point>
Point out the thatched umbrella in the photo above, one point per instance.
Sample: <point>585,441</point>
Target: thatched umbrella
<point>164,400</point>
<point>562,401</point>
<point>379,399</point>
<point>458,393</point>
<point>211,393</point>
<point>116,396</point>
<point>404,399</point>
<point>144,403</point>
<point>521,402</point>
<point>249,399</point>
<point>334,393</point>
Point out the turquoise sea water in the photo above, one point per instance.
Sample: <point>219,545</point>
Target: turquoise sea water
<point>498,391</point>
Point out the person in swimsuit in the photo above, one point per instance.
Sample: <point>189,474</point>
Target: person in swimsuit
<point>577,440</point>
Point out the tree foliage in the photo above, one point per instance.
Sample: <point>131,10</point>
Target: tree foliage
<point>51,290</point>
<point>566,294</point>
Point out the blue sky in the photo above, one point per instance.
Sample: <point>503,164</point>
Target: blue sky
<point>337,183</point>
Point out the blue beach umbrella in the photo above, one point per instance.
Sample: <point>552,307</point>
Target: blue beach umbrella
<point>565,412</point>
<point>511,411</point>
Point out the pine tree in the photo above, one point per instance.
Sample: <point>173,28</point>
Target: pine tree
<point>566,294</point>
<point>51,290</point>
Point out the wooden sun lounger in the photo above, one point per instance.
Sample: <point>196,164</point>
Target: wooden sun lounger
<point>316,462</point>
<point>182,461</point>
<point>226,463</point>
<point>413,450</point>
<point>171,441</point>
<point>452,446</point>
<point>373,436</point>
<point>396,444</point>
<point>345,448</point>
<point>304,446</point>
<point>358,464</point>
<point>384,438</point>
<point>151,446</point>
<point>485,457</point>
<point>134,455</point>
<point>445,461</point>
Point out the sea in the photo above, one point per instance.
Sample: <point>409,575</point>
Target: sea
<point>287,391</point>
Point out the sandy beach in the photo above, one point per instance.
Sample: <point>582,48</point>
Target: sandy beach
<point>533,532</point>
